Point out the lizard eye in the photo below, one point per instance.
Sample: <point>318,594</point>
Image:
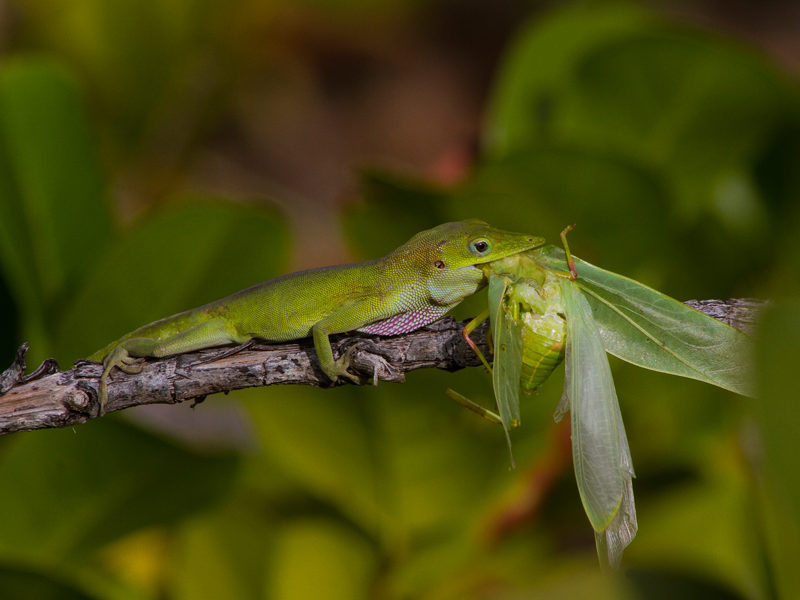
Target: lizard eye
<point>439,264</point>
<point>479,247</point>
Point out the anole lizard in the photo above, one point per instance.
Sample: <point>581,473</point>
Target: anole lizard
<point>408,288</point>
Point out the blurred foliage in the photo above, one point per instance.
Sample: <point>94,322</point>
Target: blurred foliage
<point>675,151</point>
<point>54,212</point>
<point>776,466</point>
<point>631,121</point>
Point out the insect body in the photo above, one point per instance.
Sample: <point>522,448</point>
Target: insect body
<point>529,297</point>
<point>546,307</point>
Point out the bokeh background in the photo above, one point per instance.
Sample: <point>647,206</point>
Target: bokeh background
<point>158,155</point>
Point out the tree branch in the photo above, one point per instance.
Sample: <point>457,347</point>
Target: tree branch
<point>52,398</point>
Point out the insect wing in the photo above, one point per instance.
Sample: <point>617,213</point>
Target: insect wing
<point>649,329</point>
<point>620,532</point>
<point>601,457</point>
<point>507,335</point>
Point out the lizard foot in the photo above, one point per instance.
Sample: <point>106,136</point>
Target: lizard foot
<point>341,366</point>
<point>118,357</point>
<point>379,359</point>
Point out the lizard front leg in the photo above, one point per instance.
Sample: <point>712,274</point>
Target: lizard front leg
<point>332,367</point>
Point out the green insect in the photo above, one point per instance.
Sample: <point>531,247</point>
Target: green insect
<point>546,306</point>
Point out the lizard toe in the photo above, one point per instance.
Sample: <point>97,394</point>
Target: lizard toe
<point>343,366</point>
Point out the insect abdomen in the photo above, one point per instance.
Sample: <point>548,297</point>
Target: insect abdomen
<point>541,354</point>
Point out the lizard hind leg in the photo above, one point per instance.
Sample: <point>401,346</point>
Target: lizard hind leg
<point>127,356</point>
<point>130,353</point>
<point>131,365</point>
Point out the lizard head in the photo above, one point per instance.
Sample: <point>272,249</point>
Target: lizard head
<point>474,242</point>
<point>448,256</point>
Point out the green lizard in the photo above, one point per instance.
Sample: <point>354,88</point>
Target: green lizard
<point>406,289</point>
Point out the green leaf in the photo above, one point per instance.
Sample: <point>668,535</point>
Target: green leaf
<point>223,553</point>
<point>706,530</point>
<point>693,110</point>
<point>394,209</point>
<point>621,81</point>
<point>778,414</point>
<point>54,216</point>
<point>527,101</point>
<point>322,439</point>
<point>550,186</point>
<point>402,462</point>
<point>153,67</point>
<point>320,554</point>
<point>24,584</point>
<point>69,491</point>
<point>652,330</point>
<point>440,464</point>
<point>182,257</point>
<point>60,207</point>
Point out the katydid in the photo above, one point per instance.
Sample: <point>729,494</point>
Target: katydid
<point>547,306</point>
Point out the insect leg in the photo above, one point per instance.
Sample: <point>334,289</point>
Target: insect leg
<point>570,262</point>
<point>473,406</point>
<point>469,328</point>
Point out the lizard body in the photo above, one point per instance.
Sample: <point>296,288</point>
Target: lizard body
<point>410,287</point>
